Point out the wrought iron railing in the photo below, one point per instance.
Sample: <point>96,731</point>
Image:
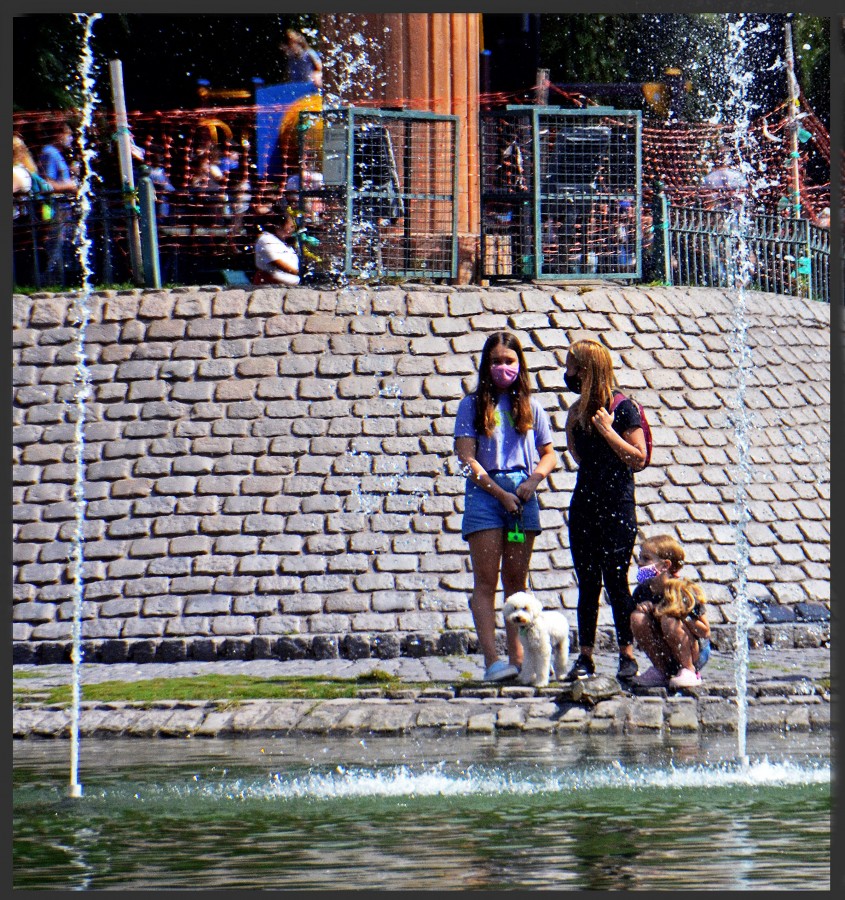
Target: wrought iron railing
<point>714,248</point>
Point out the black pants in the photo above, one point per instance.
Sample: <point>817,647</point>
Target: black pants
<point>601,544</point>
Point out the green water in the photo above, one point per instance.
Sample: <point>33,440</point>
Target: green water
<point>451,813</point>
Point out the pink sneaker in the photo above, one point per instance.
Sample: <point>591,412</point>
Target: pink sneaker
<point>652,677</point>
<point>685,678</point>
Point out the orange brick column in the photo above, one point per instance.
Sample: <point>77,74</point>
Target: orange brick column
<point>426,61</point>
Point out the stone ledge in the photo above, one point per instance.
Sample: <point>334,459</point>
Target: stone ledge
<point>501,715</point>
<point>362,646</point>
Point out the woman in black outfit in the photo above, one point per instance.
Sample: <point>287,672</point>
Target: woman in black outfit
<point>608,448</point>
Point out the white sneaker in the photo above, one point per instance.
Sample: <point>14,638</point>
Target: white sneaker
<point>685,678</point>
<point>500,670</point>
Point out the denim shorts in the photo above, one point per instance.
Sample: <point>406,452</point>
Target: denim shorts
<point>482,511</point>
<point>703,653</point>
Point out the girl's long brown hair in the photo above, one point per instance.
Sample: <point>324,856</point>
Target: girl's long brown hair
<point>597,382</point>
<point>680,595</point>
<point>486,394</point>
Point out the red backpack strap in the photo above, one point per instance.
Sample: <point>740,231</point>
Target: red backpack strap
<point>617,398</point>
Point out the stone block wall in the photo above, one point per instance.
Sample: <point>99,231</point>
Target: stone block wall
<point>271,472</point>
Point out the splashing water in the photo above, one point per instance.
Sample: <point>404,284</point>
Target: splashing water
<point>82,380</point>
<point>442,780</point>
<point>355,76</point>
<point>356,80</point>
<point>740,71</point>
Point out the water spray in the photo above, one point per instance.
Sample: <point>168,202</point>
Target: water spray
<point>739,274</point>
<point>83,383</point>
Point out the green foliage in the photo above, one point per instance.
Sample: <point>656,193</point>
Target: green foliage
<point>582,47</point>
<point>638,48</point>
<point>811,47</point>
<point>44,62</point>
<point>29,289</point>
<point>228,50</point>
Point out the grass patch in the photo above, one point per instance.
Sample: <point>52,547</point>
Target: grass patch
<point>232,688</point>
<point>30,289</point>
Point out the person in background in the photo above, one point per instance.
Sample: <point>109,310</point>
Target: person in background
<point>56,169</point>
<point>54,163</point>
<point>725,186</point>
<point>669,622</point>
<point>240,190</point>
<point>303,63</point>
<point>26,182</point>
<point>27,185</point>
<point>276,261</point>
<point>626,235</point>
<point>208,197</point>
<point>309,207</point>
<point>161,181</point>
<point>503,440</point>
<point>608,447</point>
<point>23,166</point>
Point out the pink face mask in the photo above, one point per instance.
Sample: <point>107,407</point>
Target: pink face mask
<point>505,375</point>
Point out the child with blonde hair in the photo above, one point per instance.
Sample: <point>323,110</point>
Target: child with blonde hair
<point>669,622</point>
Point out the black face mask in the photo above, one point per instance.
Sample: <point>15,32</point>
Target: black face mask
<point>573,382</point>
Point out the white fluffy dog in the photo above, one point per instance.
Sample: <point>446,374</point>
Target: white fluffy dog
<point>544,636</point>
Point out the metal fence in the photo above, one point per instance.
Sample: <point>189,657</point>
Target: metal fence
<point>45,246</point>
<point>199,237</point>
<point>561,193</point>
<point>376,197</point>
<point>782,255</point>
<point>379,192</point>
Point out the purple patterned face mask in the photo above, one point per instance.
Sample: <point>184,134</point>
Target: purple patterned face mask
<point>504,376</point>
<point>646,573</point>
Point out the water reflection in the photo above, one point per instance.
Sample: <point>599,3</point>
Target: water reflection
<point>537,812</point>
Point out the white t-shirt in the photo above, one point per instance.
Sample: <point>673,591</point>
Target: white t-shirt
<point>269,248</point>
<point>21,180</point>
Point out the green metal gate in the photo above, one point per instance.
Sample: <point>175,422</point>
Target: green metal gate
<point>383,203</point>
<point>561,193</point>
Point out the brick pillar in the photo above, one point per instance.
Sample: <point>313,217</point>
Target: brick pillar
<point>425,61</point>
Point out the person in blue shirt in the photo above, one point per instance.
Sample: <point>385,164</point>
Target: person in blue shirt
<point>503,440</point>
<point>56,170</point>
<point>54,165</point>
<point>303,63</point>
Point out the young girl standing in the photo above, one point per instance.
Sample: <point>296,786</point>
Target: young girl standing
<point>608,448</point>
<point>669,622</point>
<point>504,442</point>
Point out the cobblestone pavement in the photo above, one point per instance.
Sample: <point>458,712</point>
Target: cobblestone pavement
<point>787,690</point>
